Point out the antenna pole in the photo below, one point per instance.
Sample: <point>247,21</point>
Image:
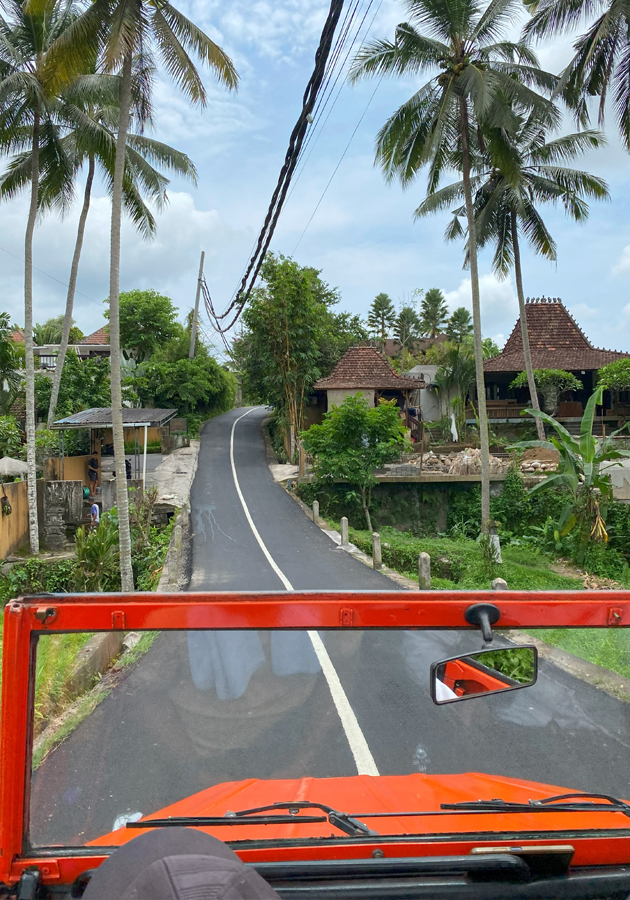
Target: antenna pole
<point>193,331</point>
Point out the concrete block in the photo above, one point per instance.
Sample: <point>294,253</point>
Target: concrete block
<point>344,531</point>
<point>424,572</point>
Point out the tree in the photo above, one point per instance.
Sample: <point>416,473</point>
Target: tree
<point>10,437</point>
<point>10,375</point>
<point>457,370</point>
<point>198,385</point>
<point>90,109</point>
<point>600,66</point>
<point>459,325</point>
<point>551,383</point>
<point>583,470</point>
<point>84,384</point>
<point>147,320</point>
<point>352,441</point>
<point>29,39</point>
<point>490,348</point>
<point>287,321</point>
<point>615,376</point>
<point>478,79</point>
<point>124,30</point>
<point>433,313</point>
<point>407,328</point>
<point>506,200</point>
<point>381,317</point>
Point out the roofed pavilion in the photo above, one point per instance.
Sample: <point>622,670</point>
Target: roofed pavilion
<point>556,342</point>
<point>365,371</point>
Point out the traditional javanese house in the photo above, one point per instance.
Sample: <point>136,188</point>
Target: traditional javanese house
<point>365,371</point>
<point>556,342</point>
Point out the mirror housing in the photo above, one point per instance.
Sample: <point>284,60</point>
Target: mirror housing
<point>484,672</point>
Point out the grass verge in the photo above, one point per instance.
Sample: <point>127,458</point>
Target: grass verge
<point>459,565</point>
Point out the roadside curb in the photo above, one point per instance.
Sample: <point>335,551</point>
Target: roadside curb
<point>405,583</point>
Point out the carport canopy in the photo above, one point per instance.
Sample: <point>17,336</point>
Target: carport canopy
<point>101,417</point>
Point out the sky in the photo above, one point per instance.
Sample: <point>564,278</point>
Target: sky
<point>362,236</point>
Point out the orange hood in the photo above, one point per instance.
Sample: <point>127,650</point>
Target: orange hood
<point>363,794</point>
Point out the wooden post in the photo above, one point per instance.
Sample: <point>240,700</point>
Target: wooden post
<point>424,572</point>
<point>377,560</point>
<point>302,461</point>
<point>344,531</point>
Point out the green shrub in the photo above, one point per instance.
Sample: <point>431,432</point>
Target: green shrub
<point>36,576</point>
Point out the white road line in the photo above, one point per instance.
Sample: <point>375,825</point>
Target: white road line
<point>358,745</point>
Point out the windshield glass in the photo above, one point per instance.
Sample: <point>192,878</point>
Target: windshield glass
<point>217,721</point>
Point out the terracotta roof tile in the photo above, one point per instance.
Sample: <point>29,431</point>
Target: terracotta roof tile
<point>101,336</point>
<point>556,341</point>
<point>365,367</point>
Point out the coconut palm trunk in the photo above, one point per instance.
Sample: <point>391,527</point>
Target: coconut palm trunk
<point>476,310</point>
<point>67,321</point>
<point>122,496</point>
<point>527,354</point>
<point>28,342</point>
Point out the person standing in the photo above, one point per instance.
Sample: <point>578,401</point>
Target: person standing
<point>93,474</point>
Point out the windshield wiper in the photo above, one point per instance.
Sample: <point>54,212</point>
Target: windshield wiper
<point>547,804</point>
<point>340,820</point>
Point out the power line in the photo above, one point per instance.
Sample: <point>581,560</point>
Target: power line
<point>356,128</point>
<point>21,259</point>
<point>284,180</point>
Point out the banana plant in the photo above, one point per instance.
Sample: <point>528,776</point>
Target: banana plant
<point>583,470</point>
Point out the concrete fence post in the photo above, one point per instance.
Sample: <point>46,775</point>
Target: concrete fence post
<point>316,511</point>
<point>499,584</point>
<point>424,572</point>
<point>377,559</point>
<point>344,531</point>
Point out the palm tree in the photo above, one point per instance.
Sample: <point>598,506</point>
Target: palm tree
<point>477,81</point>
<point>28,118</point>
<point>506,204</point>
<point>433,313</point>
<point>381,317</point>
<point>602,55</point>
<point>125,29</point>
<point>90,107</point>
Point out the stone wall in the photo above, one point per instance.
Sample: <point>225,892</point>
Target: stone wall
<point>63,509</point>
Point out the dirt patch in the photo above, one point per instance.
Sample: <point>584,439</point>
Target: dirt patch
<point>543,454</point>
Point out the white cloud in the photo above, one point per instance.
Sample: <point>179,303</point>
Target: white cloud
<point>623,263</point>
<point>499,306</point>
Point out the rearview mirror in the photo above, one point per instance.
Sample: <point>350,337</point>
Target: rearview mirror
<point>485,672</point>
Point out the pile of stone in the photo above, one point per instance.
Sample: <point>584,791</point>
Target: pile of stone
<point>537,467</point>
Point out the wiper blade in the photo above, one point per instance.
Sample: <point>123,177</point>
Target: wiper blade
<point>547,804</point>
<point>344,822</point>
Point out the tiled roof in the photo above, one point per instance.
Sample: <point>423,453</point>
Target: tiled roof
<point>101,336</point>
<point>365,367</point>
<point>556,341</point>
<point>17,336</point>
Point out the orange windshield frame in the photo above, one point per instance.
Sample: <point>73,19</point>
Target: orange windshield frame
<point>27,617</point>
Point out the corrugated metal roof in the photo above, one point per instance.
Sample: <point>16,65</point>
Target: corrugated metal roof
<point>101,417</point>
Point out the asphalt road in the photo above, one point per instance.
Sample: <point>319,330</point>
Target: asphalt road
<point>200,709</point>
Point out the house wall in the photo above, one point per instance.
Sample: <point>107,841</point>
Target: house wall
<point>14,528</point>
<point>432,402</point>
<point>74,469</point>
<point>153,434</point>
<point>336,398</point>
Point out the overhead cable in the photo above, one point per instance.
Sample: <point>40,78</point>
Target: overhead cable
<point>226,320</point>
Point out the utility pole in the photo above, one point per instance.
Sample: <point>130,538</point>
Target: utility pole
<point>193,331</point>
